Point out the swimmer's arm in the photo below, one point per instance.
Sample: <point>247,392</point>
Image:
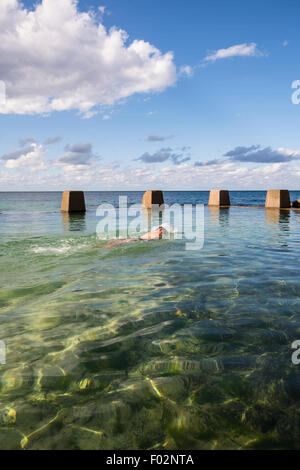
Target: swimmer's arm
<point>119,242</point>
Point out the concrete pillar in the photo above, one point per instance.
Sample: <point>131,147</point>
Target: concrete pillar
<point>278,198</point>
<point>219,198</point>
<point>73,201</point>
<point>151,198</point>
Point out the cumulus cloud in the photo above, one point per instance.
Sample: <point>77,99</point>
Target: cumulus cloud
<point>163,155</point>
<point>31,157</point>
<point>77,154</point>
<point>54,57</point>
<point>285,151</point>
<point>53,140</point>
<point>80,168</point>
<point>257,154</point>
<point>239,50</point>
<point>17,153</point>
<point>227,174</point>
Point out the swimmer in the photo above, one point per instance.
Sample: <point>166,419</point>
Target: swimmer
<point>155,234</point>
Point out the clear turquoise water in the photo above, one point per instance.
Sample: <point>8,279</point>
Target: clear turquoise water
<point>148,345</point>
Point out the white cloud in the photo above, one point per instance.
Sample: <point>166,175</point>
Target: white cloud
<point>186,71</point>
<point>79,167</point>
<point>31,157</point>
<point>227,174</point>
<point>239,50</point>
<point>289,152</point>
<point>56,58</point>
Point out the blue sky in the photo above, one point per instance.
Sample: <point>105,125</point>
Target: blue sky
<point>215,114</point>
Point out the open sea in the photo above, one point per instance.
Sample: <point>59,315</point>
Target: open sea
<point>148,345</point>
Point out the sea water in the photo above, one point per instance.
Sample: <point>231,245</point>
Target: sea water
<point>148,345</point>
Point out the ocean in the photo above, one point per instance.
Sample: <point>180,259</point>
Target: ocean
<point>148,345</point>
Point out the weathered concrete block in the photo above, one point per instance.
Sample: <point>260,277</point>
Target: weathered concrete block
<point>151,198</point>
<point>279,198</point>
<point>73,201</point>
<point>296,204</point>
<point>219,198</point>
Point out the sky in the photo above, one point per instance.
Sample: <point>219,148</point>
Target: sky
<point>149,94</point>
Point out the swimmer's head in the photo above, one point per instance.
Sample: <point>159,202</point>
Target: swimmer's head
<point>161,231</point>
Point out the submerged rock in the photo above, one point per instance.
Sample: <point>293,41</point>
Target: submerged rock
<point>8,416</point>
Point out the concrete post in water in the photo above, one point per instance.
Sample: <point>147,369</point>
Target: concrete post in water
<point>278,198</point>
<point>73,201</point>
<point>219,198</point>
<point>151,198</point>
